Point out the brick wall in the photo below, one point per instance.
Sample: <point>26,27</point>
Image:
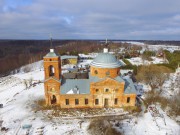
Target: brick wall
<point>103,72</point>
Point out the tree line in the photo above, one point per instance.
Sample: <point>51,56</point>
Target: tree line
<point>16,53</point>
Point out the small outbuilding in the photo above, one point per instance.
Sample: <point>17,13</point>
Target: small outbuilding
<point>69,59</point>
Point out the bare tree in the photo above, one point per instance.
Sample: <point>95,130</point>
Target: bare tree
<point>153,75</point>
<point>26,69</point>
<point>25,82</point>
<point>30,81</point>
<point>102,127</point>
<point>175,104</point>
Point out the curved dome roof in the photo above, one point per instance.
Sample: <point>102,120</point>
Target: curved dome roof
<point>106,60</point>
<point>51,54</point>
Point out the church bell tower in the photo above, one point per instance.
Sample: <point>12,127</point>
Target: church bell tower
<point>52,72</point>
<point>52,65</point>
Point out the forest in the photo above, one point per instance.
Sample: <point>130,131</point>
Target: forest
<point>16,53</point>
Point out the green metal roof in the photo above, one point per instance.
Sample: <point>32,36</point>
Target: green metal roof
<point>83,86</point>
<point>129,87</point>
<point>94,78</point>
<point>97,79</point>
<point>119,79</point>
<point>68,57</point>
<point>51,54</point>
<point>106,60</point>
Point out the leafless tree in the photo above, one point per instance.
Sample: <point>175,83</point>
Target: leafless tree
<point>30,81</point>
<point>153,75</point>
<point>25,82</point>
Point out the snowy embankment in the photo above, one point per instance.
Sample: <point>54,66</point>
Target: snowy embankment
<point>17,100</point>
<point>18,111</point>
<point>172,85</point>
<point>148,125</point>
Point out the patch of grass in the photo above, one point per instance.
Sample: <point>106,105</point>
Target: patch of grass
<point>153,97</point>
<point>41,102</point>
<point>100,126</point>
<point>126,62</point>
<point>173,103</point>
<point>132,109</point>
<point>41,105</point>
<point>112,131</point>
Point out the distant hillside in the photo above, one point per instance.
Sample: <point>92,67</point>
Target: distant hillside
<point>160,42</point>
<point>16,53</point>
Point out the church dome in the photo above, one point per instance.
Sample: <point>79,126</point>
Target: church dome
<point>106,60</point>
<point>51,54</point>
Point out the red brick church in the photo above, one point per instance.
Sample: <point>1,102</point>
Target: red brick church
<point>104,86</point>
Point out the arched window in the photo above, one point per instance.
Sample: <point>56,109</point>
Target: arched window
<point>53,99</point>
<point>97,90</point>
<point>52,90</point>
<point>106,90</point>
<point>128,99</point>
<point>107,73</point>
<point>51,70</point>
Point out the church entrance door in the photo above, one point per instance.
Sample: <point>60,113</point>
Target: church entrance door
<point>53,99</point>
<point>105,102</point>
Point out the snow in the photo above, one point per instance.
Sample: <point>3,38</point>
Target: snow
<point>147,125</point>
<point>170,48</point>
<point>73,91</point>
<point>125,71</point>
<point>19,106</point>
<point>150,47</point>
<point>90,55</point>
<point>133,42</point>
<point>18,103</point>
<point>139,61</point>
<point>84,63</point>
<point>171,86</point>
<point>68,66</point>
<point>81,64</point>
<point>35,75</point>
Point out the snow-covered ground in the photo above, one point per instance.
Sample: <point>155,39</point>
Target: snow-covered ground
<point>19,110</point>
<point>170,48</point>
<point>172,86</point>
<point>139,61</point>
<point>133,42</point>
<point>90,55</point>
<point>148,125</point>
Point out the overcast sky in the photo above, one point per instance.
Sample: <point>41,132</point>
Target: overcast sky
<point>90,19</point>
